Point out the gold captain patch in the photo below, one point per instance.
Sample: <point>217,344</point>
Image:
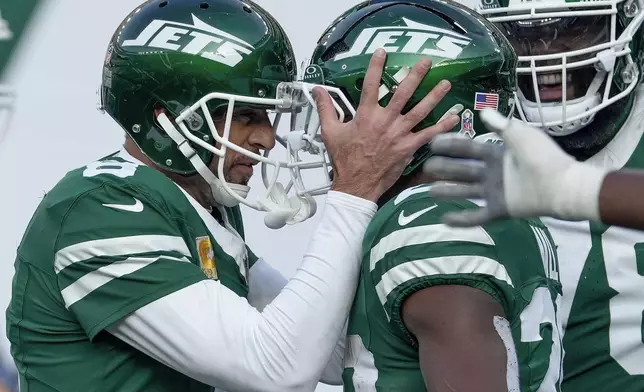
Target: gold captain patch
<point>207,257</point>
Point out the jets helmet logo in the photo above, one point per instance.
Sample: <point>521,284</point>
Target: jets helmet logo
<point>413,38</point>
<point>198,38</point>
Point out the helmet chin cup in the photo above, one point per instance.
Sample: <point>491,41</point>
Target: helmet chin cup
<point>283,210</point>
<point>277,219</point>
<point>221,194</point>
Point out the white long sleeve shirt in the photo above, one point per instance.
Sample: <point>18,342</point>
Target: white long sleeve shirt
<point>209,333</point>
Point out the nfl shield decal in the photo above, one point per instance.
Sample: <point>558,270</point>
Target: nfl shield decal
<point>467,124</point>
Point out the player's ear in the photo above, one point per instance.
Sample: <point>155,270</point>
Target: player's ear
<point>158,109</point>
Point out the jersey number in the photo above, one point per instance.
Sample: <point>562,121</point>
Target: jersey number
<point>115,168</point>
<point>358,358</point>
<point>626,306</point>
<point>541,310</point>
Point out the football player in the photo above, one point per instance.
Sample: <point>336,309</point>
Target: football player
<point>133,274</point>
<point>440,308</point>
<point>580,65</point>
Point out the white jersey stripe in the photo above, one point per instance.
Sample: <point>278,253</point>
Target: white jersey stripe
<point>446,265</point>
<point>95,279</point>
<point>426,235</point>
<point>118,246</point>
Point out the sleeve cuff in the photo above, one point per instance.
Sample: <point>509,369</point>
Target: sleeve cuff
<point>355,203</point>
<point>584,182</point>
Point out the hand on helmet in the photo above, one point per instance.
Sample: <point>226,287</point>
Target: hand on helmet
<point>529,176</point>
<point>370,152</point>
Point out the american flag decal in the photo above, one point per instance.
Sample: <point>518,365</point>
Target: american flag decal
<point>486,101</point>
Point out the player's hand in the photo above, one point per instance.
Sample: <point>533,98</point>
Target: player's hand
<point>528,176</point>
<point>369,152</point>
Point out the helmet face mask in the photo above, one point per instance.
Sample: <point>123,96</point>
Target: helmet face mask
<point>276,193</point>
<point>195,58</point>
<point>303,145</point>
<point>574,58</point>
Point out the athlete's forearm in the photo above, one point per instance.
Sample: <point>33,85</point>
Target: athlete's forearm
<point>314,306</point>
<point>212,335</point>
<point>265,283</point>
<point>621,199</point>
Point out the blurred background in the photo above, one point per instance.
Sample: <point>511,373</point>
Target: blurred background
<point>51,54</point>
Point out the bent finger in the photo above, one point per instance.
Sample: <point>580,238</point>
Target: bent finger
<point>456,191</point>
<point>468,218</point>
<point>454,145</point>
<point>453,169</point>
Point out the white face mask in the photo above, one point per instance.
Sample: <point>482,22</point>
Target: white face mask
<point>284,204</point>
<point>570,57</point>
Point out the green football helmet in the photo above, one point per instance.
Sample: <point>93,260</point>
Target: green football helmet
<point>576,59</point>
<point>196,57</point>
<point>465,49</point>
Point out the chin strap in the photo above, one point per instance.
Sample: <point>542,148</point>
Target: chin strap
<point>281,209</point>
<point>219,192</point>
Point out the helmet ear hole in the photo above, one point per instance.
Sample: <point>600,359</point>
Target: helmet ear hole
<point>204,6</point>
<point>359,83</point>
<point>158,108</point>
<point>163,4</point>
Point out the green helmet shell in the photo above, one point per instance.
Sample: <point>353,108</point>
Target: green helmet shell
<point>465,49</point>
<point>175,52</point>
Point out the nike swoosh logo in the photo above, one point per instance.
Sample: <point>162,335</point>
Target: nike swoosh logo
<point>136,207</point>
<point>405,220</point>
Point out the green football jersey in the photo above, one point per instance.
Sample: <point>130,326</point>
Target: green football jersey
<point>602,273</point>
<point>406,249</point>
<point>108,239</point>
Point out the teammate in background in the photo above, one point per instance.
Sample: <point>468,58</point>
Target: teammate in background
<point>530,177</point>
<point>438,308</point>
<point>579,81</point>
<point>14,19</point>
<point>8,373</point>
<point>8,379</point>
<point>8,376</point>
<point>133,274</point>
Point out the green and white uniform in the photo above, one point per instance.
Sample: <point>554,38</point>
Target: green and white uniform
<point>122,277</point>
<point>602,273</point>
<point>148,234</point>
<point>407,249</point>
